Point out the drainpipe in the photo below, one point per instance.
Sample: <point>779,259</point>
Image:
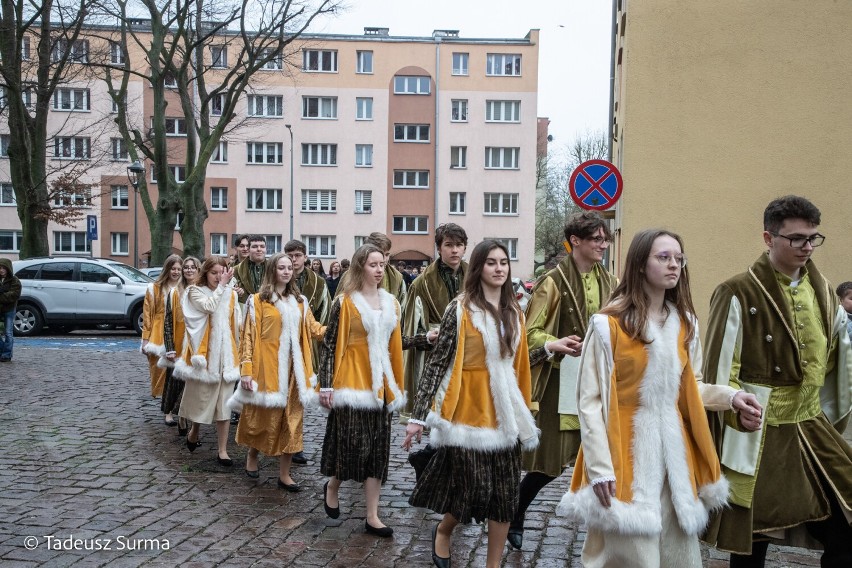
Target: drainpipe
<point>437,122</point>
<point>612,78</point>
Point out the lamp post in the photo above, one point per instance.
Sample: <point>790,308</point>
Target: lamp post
<point>135,171</point>
<point>290,130</point>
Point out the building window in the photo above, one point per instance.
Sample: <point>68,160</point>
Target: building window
<point>511,244</point>
<point>268,106</point>
<point>359,241</point>
<point>120,103</point>
<point>10,241</point>
<point>459,110</point>
<point>219,244</point>
<point>274,56</point>
<point>410,224</point>
<point>501,158</point>
<point>116,53</point>
<point>7,195</point>
<point>169,80</point>
<point>364,108</point>
<point>175,127</point>
<point>412,85</point>
<point>363,201</point>
<point>460,63</point>
<point>220,154</point>
<point>120,243</point>
<point>321,246</point>
<point>319,60</point>
<point>25,48</point>
<point>458,157</point>
<point>71,99</point>
<point>364,155</point>
<point>178,173</point>
<point>501,204</point>
<point>319,201</point>
<point>81,198</point>
<point>502,111</point>
<point>265,152</point>
<point>5,140</point>
<point>119,150</point>
<point>217,104</point>
<point>411,133</point>
<point>364,62</point>
<point>273,244</point>
<point>264,199</point>
<point>119,197</point>
<point>72,148</point>
<point>411,179</point>
<point>319,154</point>
<point>503,64</point>
<point>76,51</point>
<point>70,241</point>
<point>219,198</point>
<point>319,107</point>
<point>457,203</point>
<point>219,56</point>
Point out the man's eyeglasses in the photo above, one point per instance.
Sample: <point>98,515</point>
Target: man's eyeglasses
<point>799,242</point>
<point>599,240</point>
<point>665,259</point>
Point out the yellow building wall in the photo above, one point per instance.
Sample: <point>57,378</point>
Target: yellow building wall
<point>723,106</point>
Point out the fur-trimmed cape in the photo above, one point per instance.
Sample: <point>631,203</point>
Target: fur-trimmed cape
<point>212,319</point>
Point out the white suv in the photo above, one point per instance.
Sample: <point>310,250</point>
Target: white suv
<point>65,292</point>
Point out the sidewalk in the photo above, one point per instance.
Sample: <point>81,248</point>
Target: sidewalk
<point>86,456</point>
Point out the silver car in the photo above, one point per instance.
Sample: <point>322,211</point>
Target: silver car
<point>66,292</point>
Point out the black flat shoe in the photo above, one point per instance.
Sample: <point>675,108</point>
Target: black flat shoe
<point>439,561</point>
<point>169,423</point>
<point>227,462</point>
<point>333,513</point>
<point>383,532</point>
<point>253,474</point>
<point>299,458</point>
<point>515,538</point>
<point>291,487</point>
<point>192,445</point>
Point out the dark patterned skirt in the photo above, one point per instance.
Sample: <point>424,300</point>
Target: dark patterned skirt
<point>356,444</point>
<point>471,484</point>
<point>172,393</point>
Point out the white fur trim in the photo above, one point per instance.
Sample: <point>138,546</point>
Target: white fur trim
<point>715,495</point>
<point>636,518</point>
<point>354,398</point>
<point>219,362</point>
<point>154,349</point>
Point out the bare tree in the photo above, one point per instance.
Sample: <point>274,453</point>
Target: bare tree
<point>176,37</point>
<point>554,204</point>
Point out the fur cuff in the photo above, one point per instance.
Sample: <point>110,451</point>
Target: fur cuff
<point>397,403</point>
<point>309,398</point>
<point>231,375</point>
<point>152,349</point>
<point>531,443</point>
<point>715,495</point>
<point>639,519</point>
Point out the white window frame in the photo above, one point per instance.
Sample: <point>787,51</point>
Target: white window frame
<point>17,238</point>
<point>458,157</point>
<point>411,179</point>
<point>503,111</point>
<point>273,244</point>
<point>175,126</point>
<point>271,153</point>
<point>364,62</point>
<point>461,62</point>
<point>219,57</point>
<point>497,65</point>
<point>274,64</point>
<point>359,241</point>
<point>5,140</point>
<point>319,201</point>
<point>79,50</point>
<point>266,106</point>
<point>320,246</point>
<point>217,104</point>
<point>220,154</point>
<point>322,155</point>
<point>324,108</point>
<point>7,195</point>
<point>25,48</point>
<point>412,133</point>
<point>458,110</point>
<point>118,149</point>
<point>363,108</point>
<point>326,60</point>
<point>219,244</point>
<point>271,198</point>
<point>72,100</point>
<point>116,53</point>
<point>76,239</point>
<point>363,201</point>
<point>169,80</point>
<point>412,85</point>
<point>363,155</point>
<point>119,197</point>
<point>115,105</point>
<point>458,203</point>
<point>508,201</point>
<point>501,158</point>
<point>76,199</point>
<point>116,241</point>
<point>72,148</point>
<point>218,198</point>
<point>178,172</point>
<point>510,243</point>
<point>411,224</point>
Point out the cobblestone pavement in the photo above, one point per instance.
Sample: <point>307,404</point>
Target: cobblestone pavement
<point>85,455</point>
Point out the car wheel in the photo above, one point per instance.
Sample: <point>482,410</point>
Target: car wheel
<point>136,320</point>
<point>28,321</point>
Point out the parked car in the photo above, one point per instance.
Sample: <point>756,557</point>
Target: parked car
<point>152,272</point>
<point>66,292</point>
<point>521,293</point>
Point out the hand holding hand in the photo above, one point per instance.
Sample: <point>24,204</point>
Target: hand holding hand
<point>571,345</point>
<point>605,491</point>
<point>748,409</point>
<point>412,431</point>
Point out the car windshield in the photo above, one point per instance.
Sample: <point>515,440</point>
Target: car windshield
<point>130,272</point>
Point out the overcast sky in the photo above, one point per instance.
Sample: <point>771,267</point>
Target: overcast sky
<point>574,45</point>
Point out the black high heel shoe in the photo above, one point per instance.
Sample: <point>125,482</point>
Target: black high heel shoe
<point>192,445</point>
<point>439,561</point>
<point>383,532</point>
<point>515,538</point>
<point>332,512</point>
<point>227,462</point>
<point>291,487</point>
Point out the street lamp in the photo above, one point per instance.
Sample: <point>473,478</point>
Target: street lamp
<point>135,171</point>
<point>290,130</point>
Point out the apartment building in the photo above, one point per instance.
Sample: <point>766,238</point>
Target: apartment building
<point>385,133</point>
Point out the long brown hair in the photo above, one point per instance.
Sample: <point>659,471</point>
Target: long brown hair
<point>508,311</point>
<point>209,263</point>
<point>629,303</point>
<point>163,277</point>
<point>270,280</point>
<point>355,274</point>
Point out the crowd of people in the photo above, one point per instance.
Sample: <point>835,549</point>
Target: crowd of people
<point>737,442</point>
